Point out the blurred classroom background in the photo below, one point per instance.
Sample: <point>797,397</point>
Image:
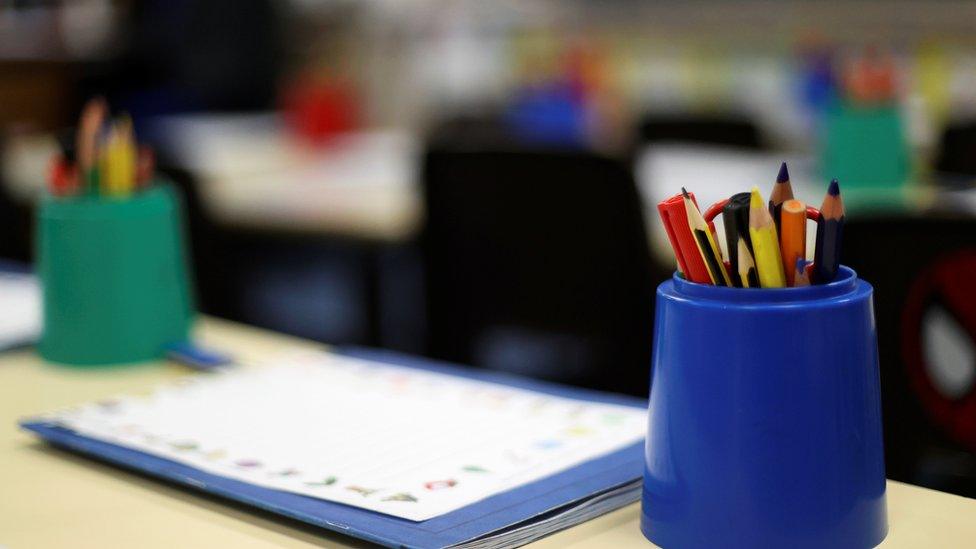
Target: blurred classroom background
<point>477,181</point>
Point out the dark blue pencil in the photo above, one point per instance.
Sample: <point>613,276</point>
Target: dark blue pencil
<point>830,228</point>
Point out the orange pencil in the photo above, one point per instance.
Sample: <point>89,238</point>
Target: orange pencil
<point>793,236</point>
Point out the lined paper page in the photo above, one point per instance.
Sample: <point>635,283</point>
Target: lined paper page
<point>20,309</point>
<point>403,442</point>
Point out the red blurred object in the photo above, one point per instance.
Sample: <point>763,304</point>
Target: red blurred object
<point>145,166</point>
<point>947,283</point>
<point>62,177</point>
<point>440,484</point>
<point>870,78</point>
<point>317,109</point>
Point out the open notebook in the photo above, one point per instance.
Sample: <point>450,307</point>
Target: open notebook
<point>408,454</point>
<point>20,307</point>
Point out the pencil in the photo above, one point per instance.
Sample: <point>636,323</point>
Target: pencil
<point>131,152</point>
<point>762,231</point>
<point>706,243</point>
<point>746,267</point>
<point>793,236</point>
<point>826,257</point>
<point>108,163</point>
<point>674,217</point>
<point>146,165</point>
<point>89,125</point>
<point>801,273</point>
<point>782,191</point>
<point>735,217</point>
<point>118,159</point>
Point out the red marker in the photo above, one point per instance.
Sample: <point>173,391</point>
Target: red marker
<point>691,264</point>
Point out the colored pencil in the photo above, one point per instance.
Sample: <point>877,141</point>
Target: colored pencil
<point>89,125</point>
<point>145,166</point>
<point>782,191</point>
<point>118,160</point>
<point>801,272</point>
<point>674,216</point>
<point>826,258</point>
<point>762,232</point>
<point>107,162</point>
<point>735,217</point>
<point>706,243</point>
<point>746,267</point>
<point>793,236</point>
<point>126,155</point>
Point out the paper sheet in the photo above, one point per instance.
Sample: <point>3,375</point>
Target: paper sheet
<point>403,442</point>
<point>20,309</point>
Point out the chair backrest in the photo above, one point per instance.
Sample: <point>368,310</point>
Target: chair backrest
<point>925,307</point>
<point>724,130</point>
<point>537,262</point>
<point>957,150</point>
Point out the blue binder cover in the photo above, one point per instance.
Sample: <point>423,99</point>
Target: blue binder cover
<point>518,506</point>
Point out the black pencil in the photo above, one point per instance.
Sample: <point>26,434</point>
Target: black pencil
<point>826,257</point>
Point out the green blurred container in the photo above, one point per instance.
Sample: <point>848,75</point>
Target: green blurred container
<point>865,147</point>
<point>114,273</point>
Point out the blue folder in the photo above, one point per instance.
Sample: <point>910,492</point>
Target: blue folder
<point>515,508</point>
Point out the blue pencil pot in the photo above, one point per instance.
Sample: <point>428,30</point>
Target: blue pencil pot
<point>765,418</point>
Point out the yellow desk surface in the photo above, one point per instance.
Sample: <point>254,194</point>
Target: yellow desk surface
<point>50,498</point>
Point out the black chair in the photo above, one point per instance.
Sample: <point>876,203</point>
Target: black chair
<point>16,226</point>
<point>537,263</point>
<point>714,130</point>
<point>957,150</point>
<point>306,285</point>
<point>923,282</point>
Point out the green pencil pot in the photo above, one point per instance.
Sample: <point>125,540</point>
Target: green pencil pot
<point>865,147</point>
<point>114,274</point>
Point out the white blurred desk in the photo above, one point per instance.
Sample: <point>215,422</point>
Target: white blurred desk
<point>52,498</point>
<point>252,173</point>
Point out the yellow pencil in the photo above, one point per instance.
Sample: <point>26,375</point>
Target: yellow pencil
<point>119,159</point>
<point>765,243</point>
<point>706,243</point>
<point>106,163</point>
<point>127,155</point>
